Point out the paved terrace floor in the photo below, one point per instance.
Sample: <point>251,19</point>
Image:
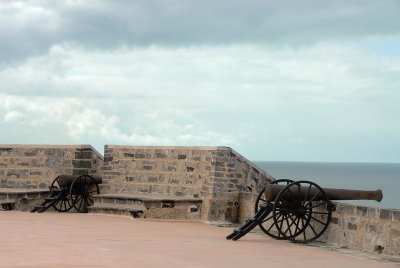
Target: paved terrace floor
<point>85,240</point>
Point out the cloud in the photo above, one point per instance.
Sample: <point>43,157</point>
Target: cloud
<point>32,27</point>
<point>13,116</point>
<point>236,95</point>
<point>199,78</point>
<point>71,120</point>
<point>275,80</point>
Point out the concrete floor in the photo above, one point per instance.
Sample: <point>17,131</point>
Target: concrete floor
<point>89,240</point>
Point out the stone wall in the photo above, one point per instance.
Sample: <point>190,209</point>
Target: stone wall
<point>217,175</point>
<point>225,183</point>
<point>36,166</point>
<point>370,229</point>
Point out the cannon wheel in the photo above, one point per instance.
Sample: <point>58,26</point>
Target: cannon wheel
<point>64,204</point>
<point>268,227</point>
<point>306,217</point>
<point>82,190</point>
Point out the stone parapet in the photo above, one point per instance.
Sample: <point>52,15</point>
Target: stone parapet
<point>36,166</point>
<point>215,174</point>
<point>370,229</point>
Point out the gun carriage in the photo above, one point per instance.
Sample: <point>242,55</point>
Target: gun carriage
<point>71,191</point>
<point>299,211</point>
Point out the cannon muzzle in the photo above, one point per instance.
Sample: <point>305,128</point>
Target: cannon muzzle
<point>307,193</point>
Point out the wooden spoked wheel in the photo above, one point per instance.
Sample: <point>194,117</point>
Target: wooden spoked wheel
<point>301,212</point>
<point>64,204</point>
<point>82,190</point>
<point>267,225</point>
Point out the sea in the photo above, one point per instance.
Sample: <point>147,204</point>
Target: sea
<point>356,176</point>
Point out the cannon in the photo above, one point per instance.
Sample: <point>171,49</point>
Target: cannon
<point>68,191</point>
<point>298,211</point>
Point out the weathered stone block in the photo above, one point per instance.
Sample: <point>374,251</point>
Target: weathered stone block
<point>385,213</point>
<point>219,174</point>
<point>5,151</point>
<point>31,153</point>
<point>108,159</point>
<point>334,220</point>
<point>373,212</point>
<point>351,226</point>
<point>345,208</point>
<point>87,149</point>
<point>161,155</point>
<point>79,172</point>
<point>396,215</point>
<point>83,155</point>
<point>153,179</point>
<point>362,211</point>
<point>371,228</point>
<point>189,169</point>
<point>82,163</point>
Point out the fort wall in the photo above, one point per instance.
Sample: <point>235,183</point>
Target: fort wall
<point>217,175</point>
<point>224,182</point>
<point>370,229</point>
<point>36,166</point>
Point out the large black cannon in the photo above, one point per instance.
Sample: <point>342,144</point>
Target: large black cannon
<point>68,191</point>
<point>297,211</point>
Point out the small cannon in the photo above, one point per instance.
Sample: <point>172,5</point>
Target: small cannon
<point>297,211</point>
<point>67,191</point>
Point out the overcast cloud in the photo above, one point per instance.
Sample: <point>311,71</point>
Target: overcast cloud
<point>294,80</point>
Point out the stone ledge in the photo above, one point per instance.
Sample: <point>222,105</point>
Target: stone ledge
<point>213,148</point>
<point>22,191</point>
<point>7,201</point>
<point>117,207</point>
<point>367,211</point>
<point>161,198</point>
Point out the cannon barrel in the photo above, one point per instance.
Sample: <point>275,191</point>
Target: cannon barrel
<point>307,193</point>
<point>66,180</point>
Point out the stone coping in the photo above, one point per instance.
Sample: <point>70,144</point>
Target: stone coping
<point>367,211</point>
<point>117,207</point>
<point>22,191</point>
<point>45,146</point>
<point>224,148</point>
<point>49,146</point>
<point>150,198</point>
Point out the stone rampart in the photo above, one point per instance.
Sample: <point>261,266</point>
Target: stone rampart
<point>217,175</point>
<point>225,183</point>
<point>36,166</point>
<point>370,229</point>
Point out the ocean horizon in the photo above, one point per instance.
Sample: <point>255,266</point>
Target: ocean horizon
<point>346,175</point>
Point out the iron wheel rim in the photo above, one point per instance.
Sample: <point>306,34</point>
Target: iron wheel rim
<point>64,204</point>
<point>82,190</point>
<point>269,229</point>
<point>310,215</point>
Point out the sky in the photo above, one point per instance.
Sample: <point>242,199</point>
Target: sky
<point>302,80</point>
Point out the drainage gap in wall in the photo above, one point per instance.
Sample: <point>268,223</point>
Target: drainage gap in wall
<point>378,249</point>
<point>168,204</point>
